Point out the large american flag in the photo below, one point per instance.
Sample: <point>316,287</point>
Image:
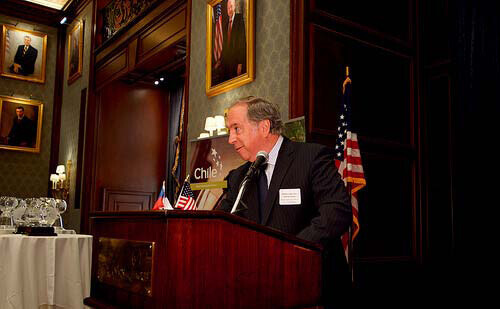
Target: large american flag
<point>218,32</point>
<point>186,199</point>
<point>348,161</point>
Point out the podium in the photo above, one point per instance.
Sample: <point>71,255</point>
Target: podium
<point>199,259</point>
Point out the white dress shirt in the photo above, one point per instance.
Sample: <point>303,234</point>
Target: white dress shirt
<point>271,163</point>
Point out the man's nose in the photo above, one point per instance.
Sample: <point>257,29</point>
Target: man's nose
<point>232,138</point>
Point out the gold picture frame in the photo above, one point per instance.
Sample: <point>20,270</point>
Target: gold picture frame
<point>25,134</point>
<point>230,52</point>
<point>75,51</point>
<point>17,63</point>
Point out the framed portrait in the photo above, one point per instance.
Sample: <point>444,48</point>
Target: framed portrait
<point>75,52</point>
<point>20,124</point>
<point>230,58</point>
<point>23,54</point>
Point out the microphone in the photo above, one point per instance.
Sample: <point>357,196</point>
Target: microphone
<point>260,160</point>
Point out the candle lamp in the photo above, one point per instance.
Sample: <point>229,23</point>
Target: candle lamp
<point>220,124</point>
<point>210,125</point>
<point>60,181</point>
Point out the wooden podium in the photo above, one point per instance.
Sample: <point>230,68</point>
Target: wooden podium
<point>199,259</point>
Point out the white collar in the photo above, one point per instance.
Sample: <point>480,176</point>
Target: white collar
<point>273,155</point>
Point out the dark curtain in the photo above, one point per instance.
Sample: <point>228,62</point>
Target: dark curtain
<point>176,95</point>
<point>475,126</point>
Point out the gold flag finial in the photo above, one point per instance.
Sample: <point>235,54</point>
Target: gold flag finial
<point>347,79</point>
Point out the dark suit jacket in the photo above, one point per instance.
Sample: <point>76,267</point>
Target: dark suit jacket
<point>27,61</point>
<point>234,49</point>
<point>22,133</point>
<point>325,210</point>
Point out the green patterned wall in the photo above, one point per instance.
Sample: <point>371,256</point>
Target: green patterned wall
<point>25,174</point>
<point>70,117</point>
<point>272,57</point>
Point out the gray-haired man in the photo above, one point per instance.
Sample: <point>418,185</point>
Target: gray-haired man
<point>305,195</point>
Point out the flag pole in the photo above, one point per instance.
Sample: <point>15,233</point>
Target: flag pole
<point>350,259</point>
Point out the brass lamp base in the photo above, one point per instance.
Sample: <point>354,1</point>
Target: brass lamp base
<point>60,193</point>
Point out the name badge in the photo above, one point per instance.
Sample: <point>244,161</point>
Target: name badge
<point>289,196</point>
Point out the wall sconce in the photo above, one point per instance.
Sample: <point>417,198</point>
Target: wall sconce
<point>60,181</point>
<point>210,125</point>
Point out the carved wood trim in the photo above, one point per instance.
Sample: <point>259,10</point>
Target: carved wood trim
<point>112,68</point>
<point>158,13</point>
<point>161,35</point>
<point>120,200</point>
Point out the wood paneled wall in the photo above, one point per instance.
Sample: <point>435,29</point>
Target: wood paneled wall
<point>127,118</point>
<point>408,188</point>
<point>438,91</point>
<point>131,143</point>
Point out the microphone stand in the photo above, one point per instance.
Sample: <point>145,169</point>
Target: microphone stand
<point>243,187</point>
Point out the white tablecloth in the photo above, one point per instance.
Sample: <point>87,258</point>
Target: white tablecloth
<point>37,271</point>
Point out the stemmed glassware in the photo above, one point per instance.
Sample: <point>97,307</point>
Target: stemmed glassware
<point>33,212</point>
<point>7,204</point>
<point>18,214</point>
<point>61,207</point>
<point>42,211</point>
<point>49,212</point>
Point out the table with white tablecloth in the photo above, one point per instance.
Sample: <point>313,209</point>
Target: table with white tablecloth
<point>38,270</point>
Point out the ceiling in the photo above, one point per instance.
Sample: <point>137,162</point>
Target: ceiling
<point>55,4</point>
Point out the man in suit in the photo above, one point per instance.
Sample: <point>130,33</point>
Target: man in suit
<point>299,191</point>
<point>25,58</point>
<point>235,45</point>
<point>23,130</point>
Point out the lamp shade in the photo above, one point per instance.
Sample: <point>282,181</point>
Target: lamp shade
<point>220,123</point>
<point>210,124</point>
<point>60,169</point>
<point>62,177</point>
<point>54,177</point>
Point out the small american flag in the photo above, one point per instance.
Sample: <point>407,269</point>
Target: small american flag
<point>218,32</point>
<point>186,199</point>
<point>348,160</point>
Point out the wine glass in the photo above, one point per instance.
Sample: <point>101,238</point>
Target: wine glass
<point>61,207</point>
<point>7,204</point>
<point>33,213</point>
<point>3,208</point>
<point>48,211</point>
<point>18,213</point>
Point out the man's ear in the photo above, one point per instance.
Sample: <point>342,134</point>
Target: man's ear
<point>265,127</point>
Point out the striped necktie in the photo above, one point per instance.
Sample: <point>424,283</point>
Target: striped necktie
<point>263,189</point>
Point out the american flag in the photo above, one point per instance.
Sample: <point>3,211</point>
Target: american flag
<point>186,199</point>
<point>348,160</point>
<point>218,32</point>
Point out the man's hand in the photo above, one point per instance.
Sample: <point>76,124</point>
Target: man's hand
<point>16,67</point>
